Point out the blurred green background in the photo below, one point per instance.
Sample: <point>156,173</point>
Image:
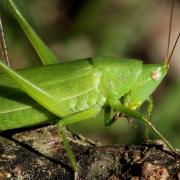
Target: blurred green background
<point>121,28</point>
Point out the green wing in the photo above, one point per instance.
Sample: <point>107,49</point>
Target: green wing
<point>59,86</point>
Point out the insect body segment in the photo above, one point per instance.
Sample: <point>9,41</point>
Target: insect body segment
<point>118,76</point>
<point>150,78</point>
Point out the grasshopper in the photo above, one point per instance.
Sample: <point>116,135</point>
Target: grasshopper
<point>77,90</point>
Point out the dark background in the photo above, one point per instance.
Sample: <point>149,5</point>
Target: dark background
<point>122,28</point>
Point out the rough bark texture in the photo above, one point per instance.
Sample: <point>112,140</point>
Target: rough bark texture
<point>39,154</point>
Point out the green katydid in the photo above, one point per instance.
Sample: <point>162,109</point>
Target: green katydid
<point>77,90</point>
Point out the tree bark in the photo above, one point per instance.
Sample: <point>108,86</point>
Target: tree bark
<point>39,154</point>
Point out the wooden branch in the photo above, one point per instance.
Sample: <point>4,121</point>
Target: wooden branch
<point>39,154</point>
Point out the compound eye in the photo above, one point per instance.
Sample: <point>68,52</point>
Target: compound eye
<point>155,75</point>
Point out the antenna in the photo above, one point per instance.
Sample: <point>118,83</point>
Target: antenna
<point>169,34</point>
<point>170,56</point>
<point>3,45</point>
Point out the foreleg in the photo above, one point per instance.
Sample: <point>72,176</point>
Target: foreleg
<point>143,118</point>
